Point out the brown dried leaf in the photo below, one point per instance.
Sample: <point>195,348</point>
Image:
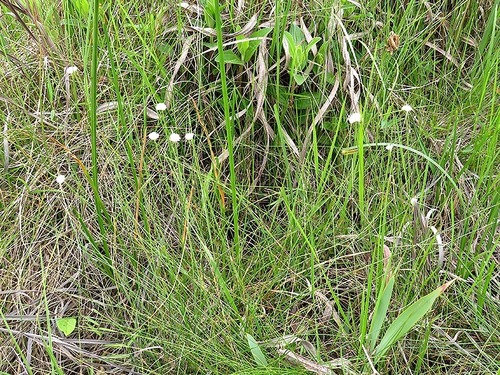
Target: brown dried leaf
<point>247,29</point>
<point>151,114</point>
<point>308,364</point>
<point>329,311</point>
<point>317,119</point>
<point>170,88</point>
<point>105,107</point>
<point>193,8</point>
<point>444,53</point>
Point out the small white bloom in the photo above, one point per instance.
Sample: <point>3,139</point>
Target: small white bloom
<point>354,117</point>
<point>161,107</point>
<point>70,70</point>
<point>60,178</point>
<point>407,108</point>
<point>189,136</point>
<point>389,147</point>
<point>153,136</point>
<point>174,137</point>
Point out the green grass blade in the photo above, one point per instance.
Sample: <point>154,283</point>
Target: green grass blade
<point>229,134</point>
<point>259,357</point>
<point>380,312</point>
<point>407,319</point>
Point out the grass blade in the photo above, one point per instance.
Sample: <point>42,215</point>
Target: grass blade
<point>407,319</point>
<point>259,357</point>
<point>380,312</point>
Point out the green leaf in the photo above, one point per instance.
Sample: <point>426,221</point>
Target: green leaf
<point>254,44</point>
<point>300,61</point>
<point>311,44</point>
<point>299,78</point>
<point>82,7</point>
<point>380,312</point>
<point>258,356</point>
<point>209,12</point>
<point>406,320</point>
<point>321,55</point>
<point>242,45</point>
<point>331,78</point>
<point>297,34</point>
<point>66,325</point>
<point>230,58</point>
<point>289,44</point>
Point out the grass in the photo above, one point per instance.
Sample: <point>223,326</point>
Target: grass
<point>282,239</point>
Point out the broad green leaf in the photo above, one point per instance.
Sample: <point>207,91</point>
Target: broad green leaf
<point>254,44</point>
<point>297,34</point>
<point>320,56</point>
<point>299,78</point>
<point>311,44</point>
<point>242,45</point>
<point>289,45</point>
<point>258,356</point>
<point>380,312</point>
<point>209,12</point>
<point>230,58</point>
<point>66,325</point>
<point>406,320</point>
<point>82,7</point>
<point>331,78</point>
<point>300,60</point>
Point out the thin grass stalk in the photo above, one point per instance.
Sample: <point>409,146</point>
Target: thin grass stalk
<point>100,209</point>
<point>229,136</point>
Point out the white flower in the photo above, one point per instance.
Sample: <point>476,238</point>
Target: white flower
<point>60,178</point>
<point>153,136</point>
<point>161,107</point>
<point>407,108</point>
<point>354,117</point>
<point>174,137</point>
<point>189,136</point>
<point>389,147</point>
<point>70,70</point>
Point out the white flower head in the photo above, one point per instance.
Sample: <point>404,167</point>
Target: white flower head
<point>389,147</point>
<point>189,136</point>
<point>161,107</point>
<point>60,179</point>
<point>354,117</point>
<point>407,108</point>
<point>174,137</point>
<point>153,136</point>
<point>70,70</point>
